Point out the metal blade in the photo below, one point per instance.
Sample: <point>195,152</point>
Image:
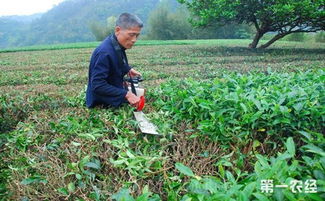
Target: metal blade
<point>144,124</point>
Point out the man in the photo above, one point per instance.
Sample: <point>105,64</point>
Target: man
<point>109,64</point>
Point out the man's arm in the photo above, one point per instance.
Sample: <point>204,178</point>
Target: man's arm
<point>99,78</point>
<point>100,86</point>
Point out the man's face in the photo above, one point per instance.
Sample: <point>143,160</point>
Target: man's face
<point>127,37</point>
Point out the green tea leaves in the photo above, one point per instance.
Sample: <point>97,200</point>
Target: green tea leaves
<point>248,103</point>
<point>290,146</point>
<point>34,180</point>
<point>184,169</point>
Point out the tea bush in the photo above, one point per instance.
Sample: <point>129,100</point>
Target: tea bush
<point>227,123</point>
<point>237,107</point>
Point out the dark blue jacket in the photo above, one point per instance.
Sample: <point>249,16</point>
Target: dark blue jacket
<point>107,67</point>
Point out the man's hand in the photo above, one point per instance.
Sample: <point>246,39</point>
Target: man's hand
<point>134,73</point>
<point>133,99</point>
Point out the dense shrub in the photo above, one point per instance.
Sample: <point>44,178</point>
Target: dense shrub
<point>236,107</point>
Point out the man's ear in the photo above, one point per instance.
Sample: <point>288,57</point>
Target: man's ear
<point>117,30</point>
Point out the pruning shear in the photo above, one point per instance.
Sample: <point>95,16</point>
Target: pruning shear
<point>134,81</point>
<point>144,123</point>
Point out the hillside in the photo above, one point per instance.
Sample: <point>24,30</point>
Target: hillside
<point>13,27</point>
<point>67,22</point>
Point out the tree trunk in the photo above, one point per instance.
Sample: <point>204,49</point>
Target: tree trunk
<point>257,38</point>
<point>275,38</point>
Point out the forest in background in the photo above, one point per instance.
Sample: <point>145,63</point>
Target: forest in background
<point>75,21</point>
<point>79,20</point>
<point>67,22</point>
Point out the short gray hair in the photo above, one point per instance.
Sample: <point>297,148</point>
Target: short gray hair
<point>127,21</point>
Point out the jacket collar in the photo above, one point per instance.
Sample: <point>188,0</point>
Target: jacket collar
<point>115,38</point>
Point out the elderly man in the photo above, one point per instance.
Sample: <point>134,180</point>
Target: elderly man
<point>109,64</point>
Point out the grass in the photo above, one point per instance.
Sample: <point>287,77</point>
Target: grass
<point>53,147</point>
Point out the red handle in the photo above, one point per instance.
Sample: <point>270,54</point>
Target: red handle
<point>141,103</point>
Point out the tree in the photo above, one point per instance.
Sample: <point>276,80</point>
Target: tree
<point>158,23</point>
<point>101,31</point>
<point>166,24</point>
<point>111,24</point>
<point>171,22</point>
<point>280,16</point>
<point>98,30</point>
<point>228,31</point>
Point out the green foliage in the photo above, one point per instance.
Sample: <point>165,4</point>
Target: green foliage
<point>99,31</point>
<point>52,147</point>
<point>102,31</point>
<point>138,164</point>
<point>300,37</point>
<point>284,17</point>
<point>184,170</point>
<point>111,21</point>
<point>235,107</point>
<point>11,113</point>
<point>163,24</point>
<point>124,195</point>
<point>282,169</point>
<point>34,179</point>
<point>320,37</point>
<point>69,21</point>
<point>230,30</point>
